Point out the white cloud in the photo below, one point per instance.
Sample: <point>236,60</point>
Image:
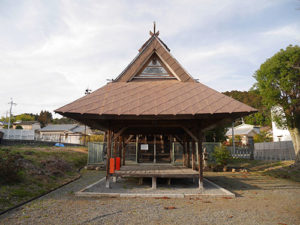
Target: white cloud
<point>51,51</point>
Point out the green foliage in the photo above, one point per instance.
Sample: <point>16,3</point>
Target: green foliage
<point>262,137</point>
<point>93,138</point>
<point>254,99</point>
<point>19,127</point>
<point>222,155</point>
<point>10,167</point>
<point>63,120</point>
<point>25,117</point>
<point>44,118</point>
<point>278,81</point>
<point>216,135</point>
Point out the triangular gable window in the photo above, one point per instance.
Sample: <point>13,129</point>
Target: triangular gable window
<point>154,69</point>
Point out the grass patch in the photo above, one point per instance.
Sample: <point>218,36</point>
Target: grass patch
<point>40,169</point>
<point>277,169</point>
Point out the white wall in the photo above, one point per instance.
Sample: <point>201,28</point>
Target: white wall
<point>280,134</point>
<point>13,134</point>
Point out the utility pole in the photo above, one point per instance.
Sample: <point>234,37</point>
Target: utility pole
<point>11,105</point>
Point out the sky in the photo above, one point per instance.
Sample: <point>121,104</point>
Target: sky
<point>51,51</point>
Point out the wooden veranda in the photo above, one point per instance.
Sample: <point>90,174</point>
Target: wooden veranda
<point>155,98</point>
<point>156,171</point>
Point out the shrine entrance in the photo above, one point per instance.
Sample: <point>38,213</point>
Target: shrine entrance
<point>154,149</point>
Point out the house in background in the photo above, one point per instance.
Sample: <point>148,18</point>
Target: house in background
<point>279,133</point>
<point>27,125</point>
<point>244,131</point>
<point>64,133</point>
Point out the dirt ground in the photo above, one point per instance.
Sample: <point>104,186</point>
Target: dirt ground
<point>260,200</point>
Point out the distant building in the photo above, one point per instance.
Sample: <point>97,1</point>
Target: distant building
<point>27,125</point>
<point>64,133</point>
<point>244,131</point>
<point>279,134</point>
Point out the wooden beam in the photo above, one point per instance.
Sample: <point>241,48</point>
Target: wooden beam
<point>119,133</point>
<point>179,140</point>
<point>189,132</point>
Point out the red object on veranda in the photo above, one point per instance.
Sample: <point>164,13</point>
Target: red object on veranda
<point>112,165</point>
<point>118,163</point>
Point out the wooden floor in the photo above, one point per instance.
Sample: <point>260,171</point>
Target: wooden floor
<point>156,170</point>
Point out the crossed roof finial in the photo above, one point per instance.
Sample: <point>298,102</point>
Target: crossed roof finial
<point>154,30</point>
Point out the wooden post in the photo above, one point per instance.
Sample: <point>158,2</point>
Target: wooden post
<point>193,155</point>
<point>120,147</point>
<point>200,160</point>
<point>108,158</point>
<point>136,148</point>
<point>171,155</point>
<point>123,151</point>
<point>154,183</point>
<point>188,155</point>
<point>184,152</point>
<point>115,149</point>
<point>173,152</point>
<point>154,151</point>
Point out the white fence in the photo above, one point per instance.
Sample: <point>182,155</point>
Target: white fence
<point>283,150</point>
<point>17,134</point>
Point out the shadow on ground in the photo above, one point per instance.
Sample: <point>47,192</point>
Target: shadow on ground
<point>236,182</point>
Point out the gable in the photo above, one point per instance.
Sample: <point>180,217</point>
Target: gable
<point>154,68</point>
<point>154,45</point>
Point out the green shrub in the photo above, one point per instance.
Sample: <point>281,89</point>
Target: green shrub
<point>10,168</point>
<point>222,155</point>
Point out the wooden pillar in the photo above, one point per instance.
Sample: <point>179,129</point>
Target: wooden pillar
<point>200,160</point>
<point>171,154</point>
<point>193,155</point>
<point>120,147</point>
<point>123,151</point>
<point>154,183</point>
<point>136,148</point>
<point>115,148</point>
<point>184,152</point>
<point>154,150</point>
<point>108,157</point>
<point>188,155</point>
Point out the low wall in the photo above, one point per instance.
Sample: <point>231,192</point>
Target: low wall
<point>283,150</point>
<point>33,143</point>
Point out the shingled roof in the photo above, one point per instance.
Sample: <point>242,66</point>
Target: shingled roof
<point>182,95</point>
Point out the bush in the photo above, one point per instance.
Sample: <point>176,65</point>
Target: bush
<point>10,169</point>
<point>19,127</point>
<point>222,155</point>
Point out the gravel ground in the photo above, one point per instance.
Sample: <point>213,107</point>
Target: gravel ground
<point>260,200</point>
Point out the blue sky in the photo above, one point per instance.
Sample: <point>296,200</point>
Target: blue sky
<point>51,51</point>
